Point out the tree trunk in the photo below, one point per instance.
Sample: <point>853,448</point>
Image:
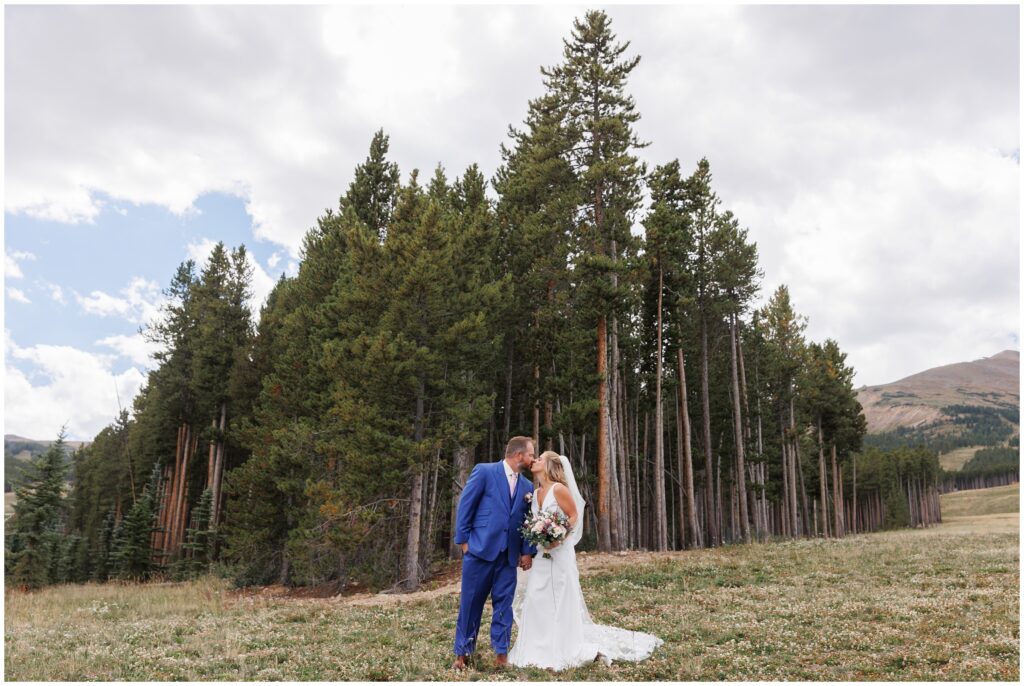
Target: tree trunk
<point>614,434</point>
<point>462,459</point>
<point>508,393</point>
<point>213,452</point>
<point>687,456</point>
<point>604,542</point>
<point>855,522</point>
<point>218,468</point>
<point>622,469</point>
<point>536,406</point>
<point>803,487</point>
<point>823,480</point>
<point>740,478</point>
<point>837,499</point>
<point>660,517</point>
<point>428,540</point>
<point>179,504</point>
<point>709,478</point>
<point>411,572</point>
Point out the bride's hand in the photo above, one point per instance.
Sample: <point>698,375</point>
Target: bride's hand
<point>554,545</point>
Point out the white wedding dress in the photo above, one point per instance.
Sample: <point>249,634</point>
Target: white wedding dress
<point>555,629</point>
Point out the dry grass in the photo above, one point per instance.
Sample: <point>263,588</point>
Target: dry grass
<point>935,604</point>
<point>954,460</point>
<point>983,501</point>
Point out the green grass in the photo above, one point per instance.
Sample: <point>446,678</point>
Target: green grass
<point>927,604</point>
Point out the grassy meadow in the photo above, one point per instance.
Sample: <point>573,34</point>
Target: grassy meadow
<point>935,604</point>
<point>954,460</point>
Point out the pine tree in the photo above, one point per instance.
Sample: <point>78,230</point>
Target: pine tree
<point>588,89</point>
<point>198,546</point>
<point>36,525</point>
<point>374,190</point>
<point>667,228</point>
<point>133,554</point>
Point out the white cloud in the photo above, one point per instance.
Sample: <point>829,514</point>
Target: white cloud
<point>56,293</point>
<point>273,260</point>
<point>857,143</point>
<point>140,301</point>
<point>136,348</point>
<point>18,296</point>
<point>80,389</point>
<point>12,270</point>
<point>910,261</point>
<point>200,252</point>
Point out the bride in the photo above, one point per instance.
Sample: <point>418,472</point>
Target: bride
<point>555,629</point>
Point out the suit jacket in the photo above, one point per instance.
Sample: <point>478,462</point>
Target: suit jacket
<point>488,519</point>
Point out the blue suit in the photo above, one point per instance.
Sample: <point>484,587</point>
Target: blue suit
<point>489,520</point>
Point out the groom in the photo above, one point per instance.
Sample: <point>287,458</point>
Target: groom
<point>491,510</point>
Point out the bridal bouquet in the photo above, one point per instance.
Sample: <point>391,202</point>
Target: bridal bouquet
<point>545,528</point>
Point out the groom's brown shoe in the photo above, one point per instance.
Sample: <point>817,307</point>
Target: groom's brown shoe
<point>460,663</point>
<point>501,659</point>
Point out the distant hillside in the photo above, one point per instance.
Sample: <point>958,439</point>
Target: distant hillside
<point>965,404</point>
<point>19,451</point>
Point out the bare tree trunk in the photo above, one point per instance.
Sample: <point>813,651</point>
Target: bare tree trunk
<point>855,522</point>
<point>687,456</point>
<point>432,509</point>
<point>411,571</point>
<point>799,467</point>
<point>660,517</point>
<point>837,499</point>
<point>803,487</point>
<point>213,451</point>
<point>218,467</point>
<point>718,499</point>
<point>604,540</point>
<point>622,470</point>
<point>508,393</point>
<point>536,406</point>
<point>743,381</point>
<point>823,481</point>
<point>462,459</point>
<point>614,439</point>
<point>709,480</point>
<point>492,429</point>
<point>179,505</point>
<point>170,496</point>
<point>740,479</point>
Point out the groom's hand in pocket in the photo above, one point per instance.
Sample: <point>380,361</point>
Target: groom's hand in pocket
<point>465,548</point>
<point>526,561</point>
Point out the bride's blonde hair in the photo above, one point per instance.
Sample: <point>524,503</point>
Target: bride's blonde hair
<point>553,468</point>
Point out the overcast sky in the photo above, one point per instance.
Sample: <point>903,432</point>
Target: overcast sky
<point>873,152</point>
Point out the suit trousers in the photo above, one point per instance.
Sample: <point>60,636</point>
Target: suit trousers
<point>481,578</point>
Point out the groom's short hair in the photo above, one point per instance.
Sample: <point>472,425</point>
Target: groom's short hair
<point>517,444</point>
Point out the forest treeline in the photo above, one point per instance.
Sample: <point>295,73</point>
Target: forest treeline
<point>327,439</point>
<point>988,467</point>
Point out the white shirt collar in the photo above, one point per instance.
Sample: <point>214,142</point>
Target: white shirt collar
<point>508,470</point>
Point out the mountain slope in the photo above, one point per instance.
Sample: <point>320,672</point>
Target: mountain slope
<point>928,399</point>
<point>19,451</point>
